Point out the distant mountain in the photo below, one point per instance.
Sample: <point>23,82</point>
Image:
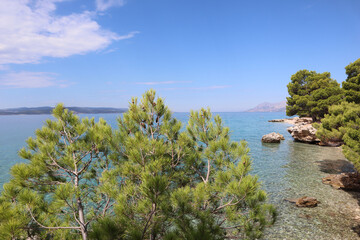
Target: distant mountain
<point>269,107</point>
<point>48,110</point>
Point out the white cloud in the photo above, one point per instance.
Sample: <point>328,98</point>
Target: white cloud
<point>163,82</point>
<point>31,30</point>
<point>102,5</point>
<point>30,80</point>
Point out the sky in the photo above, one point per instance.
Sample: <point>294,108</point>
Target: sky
<point>229,55</point>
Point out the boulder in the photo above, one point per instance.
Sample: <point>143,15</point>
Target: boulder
<point>272,138</point>
<point>303,133</point>
<point>345,181</point>
<point>304,201</point>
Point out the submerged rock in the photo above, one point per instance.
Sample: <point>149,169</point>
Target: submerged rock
<point>345,181</point>
<point>304,201</point>
<point>272,138</point>
<point>303,133</point>
<point>307,202</point>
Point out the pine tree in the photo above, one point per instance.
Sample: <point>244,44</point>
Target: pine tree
<point>149,179</point>
<point>56,193</point>
<point>311,94</point>
<point>192,184</point>
<point>352,83</point>
<point>343,124</point>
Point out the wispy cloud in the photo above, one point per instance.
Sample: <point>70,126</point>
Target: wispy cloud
<point>4,68</point>
<point>163,82</point>
<point>102,5</point>
<point>31,30</point>
<point>31,80</point>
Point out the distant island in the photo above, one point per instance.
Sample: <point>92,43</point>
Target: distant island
<point>48,110</point>
<point>269,107</point>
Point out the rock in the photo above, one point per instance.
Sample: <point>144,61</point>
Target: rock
<point>272,138</point>
<point>276,120</point>
<point>304,201</point>
<point>307,202</point>
<point>345,181</point>
<point>305,120</point>
<point>291,120</point>
<point>303,133</point>
<point>285,120</point>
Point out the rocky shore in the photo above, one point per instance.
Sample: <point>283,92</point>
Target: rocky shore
<point>303,131</point>
<point>346,179</point>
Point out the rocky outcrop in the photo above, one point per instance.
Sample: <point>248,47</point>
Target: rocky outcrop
<point>304,120</point>
<point>295,120</point>
<point>345,181</point>
<point>277,120</point>
<point>304,202</point>
<point>272,138</point>
<point>303,132</point>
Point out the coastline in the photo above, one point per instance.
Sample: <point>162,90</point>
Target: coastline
<point>339,204</point>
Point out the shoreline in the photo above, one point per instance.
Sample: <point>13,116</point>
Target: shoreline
<point>345,207</point>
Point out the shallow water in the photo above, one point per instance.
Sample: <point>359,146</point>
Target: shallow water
<point>287,170</point>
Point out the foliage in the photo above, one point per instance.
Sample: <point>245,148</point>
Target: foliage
<point>192,184</point>
<point>351,85</point>
<point>343,124</point>
<point>311,94</point>
<point>149,179</point>
<point>57,192</point>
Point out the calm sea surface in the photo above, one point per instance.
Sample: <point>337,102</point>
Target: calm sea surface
<point>286,170</point>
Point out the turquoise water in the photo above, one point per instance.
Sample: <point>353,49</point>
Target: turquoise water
<point>286,170</point>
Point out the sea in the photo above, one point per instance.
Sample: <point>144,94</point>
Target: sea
<point>287,170</point>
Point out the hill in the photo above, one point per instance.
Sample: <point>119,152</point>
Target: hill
<point>269,107</point>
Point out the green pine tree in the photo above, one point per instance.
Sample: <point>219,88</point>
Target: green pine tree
<point>311,94</point>
<point>56,193</point>
<point>149,179</point>
<point>343,124</point>
<point>192,184</point>
<point>352,83</point>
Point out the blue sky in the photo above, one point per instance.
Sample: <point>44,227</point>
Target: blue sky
<point>229,55</point>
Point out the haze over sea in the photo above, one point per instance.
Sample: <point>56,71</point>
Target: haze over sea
<point>287,170</point>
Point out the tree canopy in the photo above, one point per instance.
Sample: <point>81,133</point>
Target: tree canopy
<point>311,94</point>
<point>343,124</point>
<point>351,85</point>
<point>152,178</point>
<point>57,192</point>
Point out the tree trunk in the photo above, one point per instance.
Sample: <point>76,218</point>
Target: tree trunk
<point>80,210</point>
<point>82,220</point>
